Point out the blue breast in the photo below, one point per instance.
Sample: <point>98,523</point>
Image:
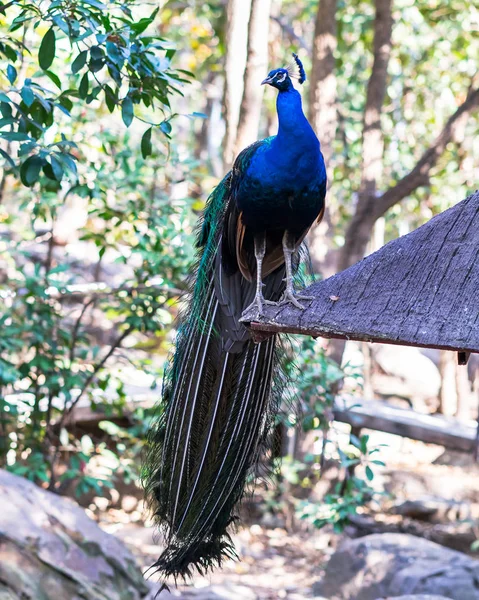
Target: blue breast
<point>285,183</point>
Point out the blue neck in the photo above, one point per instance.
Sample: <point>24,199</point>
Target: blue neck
<point>292,122</point>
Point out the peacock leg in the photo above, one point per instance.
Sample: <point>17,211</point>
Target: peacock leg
<point>289,295</point>
<point>259,253</point>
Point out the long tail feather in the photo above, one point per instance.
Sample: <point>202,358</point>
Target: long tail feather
<point>217,404</point>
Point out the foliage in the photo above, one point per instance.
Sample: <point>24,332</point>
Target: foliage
<point>51,358</point>
<point>316,384</point>
<point>348,494</point>
<point>112,59</point>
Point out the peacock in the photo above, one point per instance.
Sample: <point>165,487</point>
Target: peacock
<point>221,389</point>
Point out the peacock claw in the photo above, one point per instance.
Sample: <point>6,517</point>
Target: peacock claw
<point>290,297</point>
<point>257,306</point>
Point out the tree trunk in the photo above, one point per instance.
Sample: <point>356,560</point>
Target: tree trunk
<point>238,12</point>
<point>322,111</point>
<point>372,144</point>
<point>255,72</point>
<point>322,114</point>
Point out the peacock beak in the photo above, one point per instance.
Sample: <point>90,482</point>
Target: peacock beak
<point>267,80</point>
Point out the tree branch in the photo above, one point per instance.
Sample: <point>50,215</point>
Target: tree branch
<point>419,176</point>
<point>76,329</point>
<point>290,32</point>
<point>116,344</point>
<point>361,225</point>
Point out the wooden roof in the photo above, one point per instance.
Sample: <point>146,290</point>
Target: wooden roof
<point>421,289</point>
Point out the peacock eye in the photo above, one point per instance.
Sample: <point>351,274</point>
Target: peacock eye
<point>281,77</point>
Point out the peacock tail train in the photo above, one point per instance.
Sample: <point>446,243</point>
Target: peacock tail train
<point>219,396</point>
<point>221,390</point>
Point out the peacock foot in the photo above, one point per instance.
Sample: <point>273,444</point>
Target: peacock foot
<point>255,308</point>
<point>290,297</point>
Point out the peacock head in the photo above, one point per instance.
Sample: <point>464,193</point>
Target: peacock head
<point>281,78</point>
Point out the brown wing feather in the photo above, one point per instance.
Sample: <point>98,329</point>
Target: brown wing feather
<point>321,215</point>
<point>241,256</point>
<point>274,257</point>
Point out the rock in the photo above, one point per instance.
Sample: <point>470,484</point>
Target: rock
<point>420,597</point>
<point>390,564</point>
<point>437,510</point>
<point>49,548</point>
<point>416,509</point>
<point>419,375</point>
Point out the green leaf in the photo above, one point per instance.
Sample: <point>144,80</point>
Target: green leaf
<point>15,136</point>
<point>27,95</point>
<point>93,95</point>
<point>110,98</point>
<point>80,61</point>
<point>7,158</point>
<point>114,53</point>
<point>144,23</point>
<point>6,110</point>
<point>66,103</point>
<point>369,474</point>
<point>127,111</point>
<point>364,444</point>
<point>83,87</point>
<point>46,54</point>
<point>97,59</point>
<point>61,23</point>
<point>54,77</point>
<point>96,52</point>
<point>27,147</point>
<point>11,74</point>
<point>56,168</point>
<point>10,53</point>
<point>30,170</point>
<point>47,169</point>
<point>146,143</point>
<point>165,127</point>
<point>69,162</point>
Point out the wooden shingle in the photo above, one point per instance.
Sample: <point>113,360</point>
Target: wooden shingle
<point>421,289</point>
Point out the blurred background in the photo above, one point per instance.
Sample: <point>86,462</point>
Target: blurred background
<point>117,121</point>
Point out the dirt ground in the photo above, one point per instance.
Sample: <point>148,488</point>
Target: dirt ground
<point>278,562</point>
<point>274,563</point>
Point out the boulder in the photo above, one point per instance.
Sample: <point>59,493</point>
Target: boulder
<point>411,374</point>
<point>389,565</point>
<point>414,597</point>
<point>49,548</point>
